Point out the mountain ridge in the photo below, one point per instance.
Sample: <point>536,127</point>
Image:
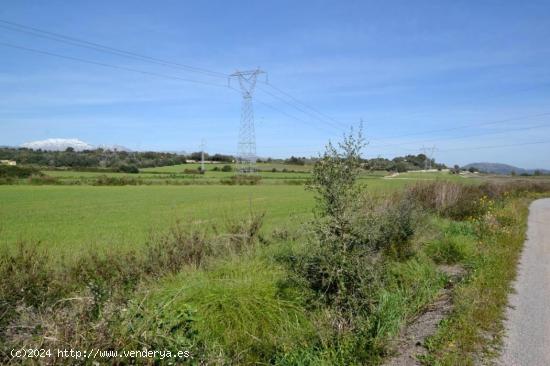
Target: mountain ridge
<point>500,168</point>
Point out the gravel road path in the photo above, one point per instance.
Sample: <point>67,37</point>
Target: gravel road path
<point>527,341</point>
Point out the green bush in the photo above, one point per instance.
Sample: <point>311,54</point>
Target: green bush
<point>247,180</point>
<point>104,180</point>
<point>27,280</point>
<point>227,168</point>
<point>14,171</point>
<point>43,180</point>
<point>132,169</point>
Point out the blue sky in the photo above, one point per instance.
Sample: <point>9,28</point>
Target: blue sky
<point>413,71</point>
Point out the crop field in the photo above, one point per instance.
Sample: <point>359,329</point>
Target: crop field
<point>75,216</point>
<point>70,217</point>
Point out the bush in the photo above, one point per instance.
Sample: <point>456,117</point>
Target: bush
<point>449,199</point>
<point>462,201</point>
<point>193,171</point>
<point>180,246</point>
<point>248,180</point>
<point>27,280</point>
<point>132,169</point>
<point>105,180</point>
<point>43,180</point>
<point>14,171</point>
<point>227,168</point>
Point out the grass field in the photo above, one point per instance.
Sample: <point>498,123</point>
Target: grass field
<point>72,217</point>
<point>69,217</point>
<point>247,291</point>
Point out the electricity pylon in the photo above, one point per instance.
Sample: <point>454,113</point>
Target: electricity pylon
<point>428,153</point>
<point>202,156</point>
<point>246,159</point>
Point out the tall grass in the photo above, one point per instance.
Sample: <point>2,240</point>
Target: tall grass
<point>233,313</point>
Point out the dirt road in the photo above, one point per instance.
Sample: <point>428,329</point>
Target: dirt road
<point>527,341</point>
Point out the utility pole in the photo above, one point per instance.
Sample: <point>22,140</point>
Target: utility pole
<point>202,156</point>
<point>425,152</point>
<point>428,153</point>
<point>246,159</point>
<point>432,149</point>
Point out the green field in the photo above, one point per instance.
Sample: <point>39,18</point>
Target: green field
<point>73,217</point>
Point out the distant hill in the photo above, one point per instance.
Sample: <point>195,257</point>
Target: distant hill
<point>62,144</point>
<point>58,145</point>
<point>497,168</point>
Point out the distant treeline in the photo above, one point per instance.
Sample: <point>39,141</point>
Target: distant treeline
<point>403,163</point>
<point>100,158</point>
<point>130,162</point>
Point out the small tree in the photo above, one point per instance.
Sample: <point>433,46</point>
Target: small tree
<point>334,180</point>
<point>334,175</point>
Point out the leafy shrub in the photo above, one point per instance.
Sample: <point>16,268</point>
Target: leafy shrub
<point>105,180</point>
<point>14,171</point>
<point>449,199</point>
<point>243,233</point>
<point>462,201</point>
<point>43,180</point>
<point>248,180</point>
<point>9,180</point>
<point>180,246</point>
<point>132,169</point>
<point>227,168</point>
<point>384,223</point>
<point>27,280</point>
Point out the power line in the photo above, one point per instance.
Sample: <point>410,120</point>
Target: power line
<point>498,146</point>
<point>297,101</point>
<point>339,128</point>
<point>464,126</point>
<point>112,50</point>
<point>103,64</point>
<point>291,116</point>
<point>165,76</point>
<point>103,48</point>
<point>466,136</point>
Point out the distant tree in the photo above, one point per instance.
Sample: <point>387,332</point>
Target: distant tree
<point>296,160</point>
<point>472,169</point>
<point>132,169</point>
<point>401,167</point>
<point>221,157</point>
<point>197,155</point>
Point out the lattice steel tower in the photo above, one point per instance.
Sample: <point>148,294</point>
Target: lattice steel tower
<point>246,158</point>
